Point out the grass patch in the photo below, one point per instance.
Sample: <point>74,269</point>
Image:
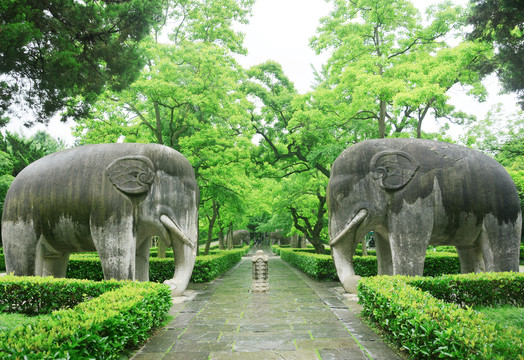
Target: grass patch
<point>10,321</point>
<point>505,315</point>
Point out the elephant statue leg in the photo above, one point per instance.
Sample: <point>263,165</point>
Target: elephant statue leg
<point>384,259</point>
<point>26,244</point>
<point>502,234</point>
<point>409,235</point>
<point>142,261</point>
<point>471,259</point>
<point>50,263</point>
<point>116,247</point>
<point>55,265</point>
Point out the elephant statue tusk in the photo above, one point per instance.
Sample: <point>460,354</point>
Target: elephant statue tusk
<point>174,229</point>
<point>357,219</point>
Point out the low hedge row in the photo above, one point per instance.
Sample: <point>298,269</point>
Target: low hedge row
<point>38,295</point>
<point>322,267</point>
<point>482,289</point>
<point>207,267</point>
<point>429,328</point>
<point>103,327</point>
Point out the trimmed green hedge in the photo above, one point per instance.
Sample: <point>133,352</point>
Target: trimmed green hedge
<point>482,289</point>
<point>429,328</point>
<point>33,295</point>
<point>103,327</point>
<point>207,267</point>
<point>322,267</point>
<point>315,265</point>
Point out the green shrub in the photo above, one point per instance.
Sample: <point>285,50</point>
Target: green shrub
<point>322,266</point>
<point>38,295</point>
<point>447,249</point>
<point>315,265</point>
<point>2,262</point>
<point>429,328</point>
<point>483,289</point>
<point>103,327</point>
<point>85,267</point>
<point>207,268</point>
<point>439,263</point>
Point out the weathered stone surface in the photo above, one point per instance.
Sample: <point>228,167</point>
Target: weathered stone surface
<point>109,198</point>
<point>241,237</point>
<point>260,272</point>
<point>413,193</point>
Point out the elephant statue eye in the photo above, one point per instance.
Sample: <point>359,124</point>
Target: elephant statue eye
<point>146,177</point>
<point>340,195</point>
<point>393,169</point>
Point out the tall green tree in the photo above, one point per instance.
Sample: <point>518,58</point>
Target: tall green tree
<point>389,68</point>
<point>61,54</point>
<point>188,98</point>
<point>291,151</point>
<point>501,23</point>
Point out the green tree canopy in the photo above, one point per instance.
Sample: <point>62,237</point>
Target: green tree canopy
<point>501,23</point>
<point>390,67</point>
<point>59,55</point>
<point>188,98</point>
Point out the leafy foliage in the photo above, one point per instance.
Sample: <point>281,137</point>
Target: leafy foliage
<point>499,22</point>
<point>389,67</point>
<point>188,98</point>
<point>428,328</point>
<point>482,289</point>
<point>61,54</point>
<point>104,327</point>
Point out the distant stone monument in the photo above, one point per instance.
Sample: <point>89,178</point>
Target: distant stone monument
<point>260,272</point>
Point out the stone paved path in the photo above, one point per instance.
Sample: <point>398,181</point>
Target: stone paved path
<point>298,319</point>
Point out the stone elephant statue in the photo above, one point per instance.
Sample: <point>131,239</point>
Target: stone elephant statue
<point>276,238</point>
<point>109,198</point>
<point>413,193</point>
<point>241,237</point>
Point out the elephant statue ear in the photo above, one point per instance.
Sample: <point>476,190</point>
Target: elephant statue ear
<point>131,174</point>
<point>393,169</point>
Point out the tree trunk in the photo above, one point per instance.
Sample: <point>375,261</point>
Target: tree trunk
<point>422,116</point>
<point>229,238</point>
<point>318,244</point>
<point>312,232</point>
<point>162,247</point>
<point>382,120</point>
<point>210,227</point>
<point>221,238</point>
<point>295,241</point>
<point>364,247</point>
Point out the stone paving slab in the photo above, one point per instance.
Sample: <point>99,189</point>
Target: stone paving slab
<point>299,318</point>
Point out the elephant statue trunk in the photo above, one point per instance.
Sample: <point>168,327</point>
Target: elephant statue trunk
<point>351,226</point>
